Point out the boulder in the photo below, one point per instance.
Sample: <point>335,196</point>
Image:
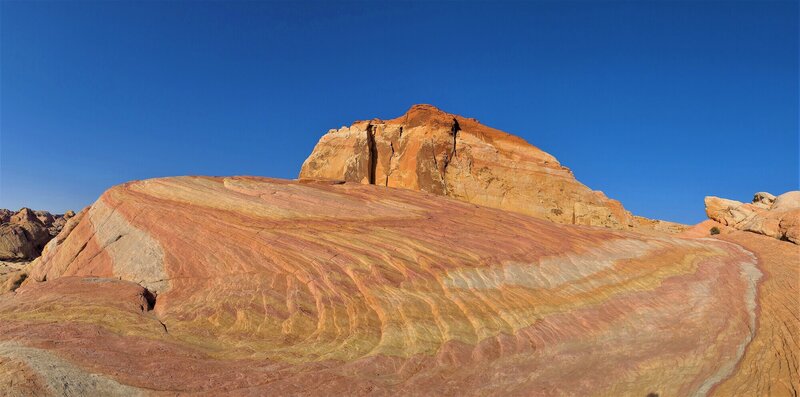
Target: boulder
<point>787,201</point>
<point>789,226</point>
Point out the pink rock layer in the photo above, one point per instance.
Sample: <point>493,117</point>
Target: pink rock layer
<point>249,286</point>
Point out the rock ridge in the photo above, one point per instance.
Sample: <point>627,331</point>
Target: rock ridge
<point>434,151</point>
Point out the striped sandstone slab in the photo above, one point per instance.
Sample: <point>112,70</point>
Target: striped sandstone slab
<point>254,286</point>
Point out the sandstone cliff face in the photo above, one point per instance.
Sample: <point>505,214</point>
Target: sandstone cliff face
<point>23,234</point>
<point>251,286</point>
<point>429,150</point>
<point>777,217</point>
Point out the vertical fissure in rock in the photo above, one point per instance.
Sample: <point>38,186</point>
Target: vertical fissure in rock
<point>373,153</point>
<point>448,157</point>
<point>454,132</point>
<point>391,156</point>
<point>150,299</point>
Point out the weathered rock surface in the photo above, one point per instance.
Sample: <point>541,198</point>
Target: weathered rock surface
<point>250,286</point>
<point>429,150</point>
<point>645,225</point>
<point>5,215</point>
<point>23,234</point>
<point>770,365</point>
<point>763,200</point>
<point>12,274</point>
<point>786,202</point>
<point>777,217</point>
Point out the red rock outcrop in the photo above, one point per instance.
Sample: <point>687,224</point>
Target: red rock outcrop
<point>776,217</point>
<point>249,286</point>
<point>429,150</point>
<point>23,234</point>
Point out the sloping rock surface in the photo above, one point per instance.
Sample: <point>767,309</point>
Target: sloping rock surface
<point>771,363</point>
<point>429,150</point>
<point>776,217</point>
<point>249,286</point>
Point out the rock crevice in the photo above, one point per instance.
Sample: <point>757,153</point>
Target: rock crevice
<point>373,153</point>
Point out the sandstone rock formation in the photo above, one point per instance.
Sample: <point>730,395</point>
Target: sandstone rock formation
<point>429,150</point>
<point>770,363</point>
<point>763,200</point>
<point>23,234</point>
<point>5,215</point>
<point>250,286</point>
<point>777,217</point>
<point>12,274</point>
<point>642,224</point>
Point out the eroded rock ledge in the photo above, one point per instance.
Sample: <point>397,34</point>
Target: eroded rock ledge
<point>777,217</point>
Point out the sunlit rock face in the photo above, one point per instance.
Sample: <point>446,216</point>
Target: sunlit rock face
<point>23,236</point>
<point>251,286</point>
<point>776,217</point>
<point>429,150</point>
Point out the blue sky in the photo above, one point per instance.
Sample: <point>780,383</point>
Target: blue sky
<point>658,104</point>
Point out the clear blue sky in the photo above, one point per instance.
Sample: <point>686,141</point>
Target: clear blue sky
<point>656,103</point>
